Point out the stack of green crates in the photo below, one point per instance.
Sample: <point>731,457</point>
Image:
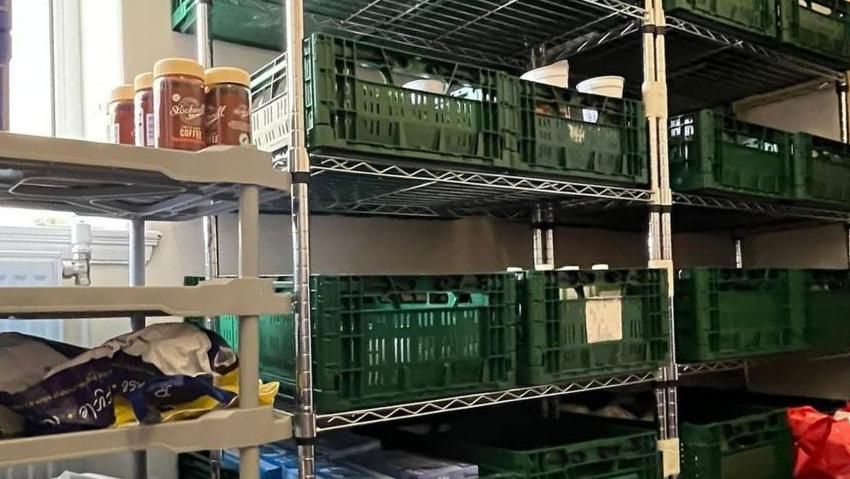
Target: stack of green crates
<point>357,104</point>
<point>584,136</point>
<point>733,440</point>
<point>196,465</point>
<point>716,153</point>
<point>752,17</point>
<point>517,446</point>
<point>827,307</point>
<point>821,171</point>
<point>256,23</point>
<point>818,28</point>
<point>576,324</point>
<point>734,313</point>
<point>381,340</point>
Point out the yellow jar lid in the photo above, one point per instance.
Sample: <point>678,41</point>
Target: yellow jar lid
<point>178,66</point>
<point>143,81</point>
<point>122,93</point>
<point>219,75</point>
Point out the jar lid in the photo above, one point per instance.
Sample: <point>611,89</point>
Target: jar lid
<point>122,93</point>
<point>220,75</point>
<point>143,81</point>
<point>178,66</point>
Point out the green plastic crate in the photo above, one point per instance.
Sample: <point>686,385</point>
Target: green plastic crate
<point>584,136</point>
<point>754,17</point>
<point>196,465</point>
<point>817,27</point>
<point>718,154</point>
<point>380,340</point>
<point>256,23</point>
<point>509,445</point>
<point>577,324</point>
<point>734,313</point>
<point>720,440</point>
<point>355,102</point>
<point>827,306</point>
<point>821,171</point>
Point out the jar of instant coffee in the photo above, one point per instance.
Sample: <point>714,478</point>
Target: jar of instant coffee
<point>120,128</point>
<point>228,100</point>
<point>143,108</point>
<point>178,104</point>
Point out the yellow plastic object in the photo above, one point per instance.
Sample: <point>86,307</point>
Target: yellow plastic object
<point>124,415</point>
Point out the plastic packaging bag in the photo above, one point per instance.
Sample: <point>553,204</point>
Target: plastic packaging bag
<point>822,443</point>
<point>161,373</point>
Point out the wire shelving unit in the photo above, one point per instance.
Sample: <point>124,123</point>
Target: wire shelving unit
<point>674,64</point>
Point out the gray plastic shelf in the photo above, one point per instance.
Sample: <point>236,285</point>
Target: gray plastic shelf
<point>242,297</point>
<point>231,428</point>
<point>131,182</point>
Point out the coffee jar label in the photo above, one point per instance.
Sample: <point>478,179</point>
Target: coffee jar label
<point>186,112</point>
<point>179,113</point>
<point>228,119</point>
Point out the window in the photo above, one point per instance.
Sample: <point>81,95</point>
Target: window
<point>31,102</point>
<point>33,110</point>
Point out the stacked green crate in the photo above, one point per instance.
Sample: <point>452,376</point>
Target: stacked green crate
<point>197,465</point>
<point>754,17</point>
<point>817,27</point>
<point>734,313</point>
<point>576,324</point>
<point>729,438</point>
<point>827,307</point>
<point>821,171</point>
<point>381,340</point>
<point>256,23</point>
<point>356,102</point>
<point>571,447</point>
<point>715,153</point>
<point>583,136</point>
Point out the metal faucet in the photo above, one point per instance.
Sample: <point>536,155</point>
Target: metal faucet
<point>79,266</point>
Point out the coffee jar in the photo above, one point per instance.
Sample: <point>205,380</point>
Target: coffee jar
<point>228,100</point>
<point>143,109</point>
<point>178,104</point>
<point>121,123</point>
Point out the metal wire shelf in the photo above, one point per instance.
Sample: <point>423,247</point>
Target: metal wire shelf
<point>693,369</point>
<point>489,31</point>
<point>762,208</point>
<point>363,186</point>
<point>358,186</point>
<point>438,406</point>
<point>706,66</point>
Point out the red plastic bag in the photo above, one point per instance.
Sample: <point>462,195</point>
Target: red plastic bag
<point>822,443</point>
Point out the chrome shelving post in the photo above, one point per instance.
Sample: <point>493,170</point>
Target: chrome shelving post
<point>204,46</point>
<point>739,252</point>
<point>249,326</point>
<point>543,219</point>
<point>299,167</point>
<point>205,58</point>
<point>136,269</point>
<point>660,237</point>
<point>841,88</point>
